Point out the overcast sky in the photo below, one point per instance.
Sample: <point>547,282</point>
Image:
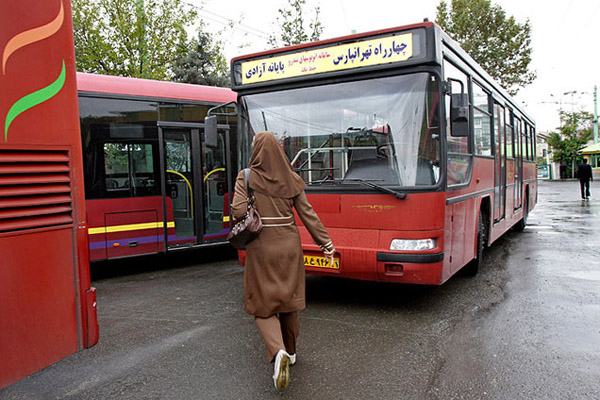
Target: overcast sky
<point>565,39</point>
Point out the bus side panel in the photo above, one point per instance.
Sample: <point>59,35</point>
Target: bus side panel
<point>529,188</point>
<point>461,221</point>
<point>38,305</point>
<point>530,180</point>
<point>46,309</point>
<point>127,227</point>
<point>460,235</point>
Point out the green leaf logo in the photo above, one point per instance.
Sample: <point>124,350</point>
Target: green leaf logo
<point>33,99</point>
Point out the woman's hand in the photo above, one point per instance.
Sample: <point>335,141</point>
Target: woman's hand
<point>329,254</point>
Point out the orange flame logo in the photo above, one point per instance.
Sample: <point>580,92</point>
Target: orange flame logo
<point>31,36</point>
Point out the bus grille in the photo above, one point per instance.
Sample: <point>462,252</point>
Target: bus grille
<point>35,189</point>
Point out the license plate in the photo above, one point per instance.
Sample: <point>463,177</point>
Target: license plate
<point>321,262</point>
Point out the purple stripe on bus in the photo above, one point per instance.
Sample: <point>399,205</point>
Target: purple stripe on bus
<point>223,232</point>
<point>153,239</point>
<point>123,242</point>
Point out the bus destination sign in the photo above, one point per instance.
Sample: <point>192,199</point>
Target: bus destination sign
<point>327,59</point>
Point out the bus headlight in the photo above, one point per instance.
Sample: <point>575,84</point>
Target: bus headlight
<point>413,244</point>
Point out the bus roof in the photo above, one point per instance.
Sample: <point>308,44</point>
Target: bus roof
<point>93,83</point>
<point>439,37</point>
<point>334,40</point>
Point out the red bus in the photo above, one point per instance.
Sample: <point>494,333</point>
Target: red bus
<point>47,307</point>
<point>152,184</point>
<point>414,158</point>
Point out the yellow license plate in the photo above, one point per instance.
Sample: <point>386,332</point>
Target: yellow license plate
<point>321,262</point>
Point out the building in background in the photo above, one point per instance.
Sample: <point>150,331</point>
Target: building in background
<point>546,169</point>
<point>592,154</point>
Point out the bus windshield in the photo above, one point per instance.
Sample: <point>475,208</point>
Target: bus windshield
<point>384,130</point>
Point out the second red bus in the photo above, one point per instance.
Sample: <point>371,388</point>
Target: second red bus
<point>151,182</point>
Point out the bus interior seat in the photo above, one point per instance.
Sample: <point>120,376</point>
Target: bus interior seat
<point>364,164</point>
<point>425,175</point>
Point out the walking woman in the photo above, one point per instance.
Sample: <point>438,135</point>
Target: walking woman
<point>274,280</point>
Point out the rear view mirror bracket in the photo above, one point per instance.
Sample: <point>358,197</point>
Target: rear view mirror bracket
<point>459,109</point>
<point>210,123</point>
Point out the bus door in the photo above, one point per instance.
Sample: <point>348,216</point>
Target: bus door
<point>518,165</point>
<point>216,187</point>
<point>500,163</point>
<point>195,186</point>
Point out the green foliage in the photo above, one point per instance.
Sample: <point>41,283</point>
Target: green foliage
<point>573,134</point>
<point>135,38</point>
<point>292,24</point>
<point>116,158</point>
<point>500,44</point>
<point>204,64</point>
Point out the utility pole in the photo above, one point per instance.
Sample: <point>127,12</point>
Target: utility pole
<point>595,114</point>
<point>572,92</point>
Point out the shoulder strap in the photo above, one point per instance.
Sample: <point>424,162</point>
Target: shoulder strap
<point>249,191</point>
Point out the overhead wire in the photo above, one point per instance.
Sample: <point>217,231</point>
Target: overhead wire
<point>229,22</point>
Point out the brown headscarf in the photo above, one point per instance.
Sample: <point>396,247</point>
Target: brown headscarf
<point>271,171</point>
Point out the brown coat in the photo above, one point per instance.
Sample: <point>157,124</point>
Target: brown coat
<point>274,279</point>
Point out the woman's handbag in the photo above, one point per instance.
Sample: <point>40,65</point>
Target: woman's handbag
<point>247,229</point>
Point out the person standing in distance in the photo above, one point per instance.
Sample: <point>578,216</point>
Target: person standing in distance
<point>274,277</point>
<point>585,176</point>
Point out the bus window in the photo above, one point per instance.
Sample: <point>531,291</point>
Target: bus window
<point>481,122</point>
<point>107,126</point>
<point>509,135</point>
<point>532,144</point>
<point>116,166</point>
<point>459,157</point>
<point>527,140</point>
<point>183,112</point>
<point>129,169</point>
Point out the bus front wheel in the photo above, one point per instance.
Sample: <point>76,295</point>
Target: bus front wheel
<point>472,267</point>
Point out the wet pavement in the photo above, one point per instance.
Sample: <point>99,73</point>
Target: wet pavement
<point>526,327</point>
<point>543,340</point>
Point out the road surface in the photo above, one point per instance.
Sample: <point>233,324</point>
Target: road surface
<point>526,327</point>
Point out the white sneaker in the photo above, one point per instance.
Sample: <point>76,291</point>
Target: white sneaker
<point>281,374</point>
<point>292,359</point>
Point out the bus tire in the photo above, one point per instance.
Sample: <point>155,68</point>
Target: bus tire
<point>472,268</point>
<point>520,226</point>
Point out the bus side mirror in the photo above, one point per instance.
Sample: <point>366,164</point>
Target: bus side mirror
<point>210,131</point>
<point>459,115</point>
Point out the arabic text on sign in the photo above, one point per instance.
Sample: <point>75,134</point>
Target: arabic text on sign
<point>340,57</point>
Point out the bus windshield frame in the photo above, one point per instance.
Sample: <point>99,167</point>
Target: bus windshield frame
<point>382,130</point>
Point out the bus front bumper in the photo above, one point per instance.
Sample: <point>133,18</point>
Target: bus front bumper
<point>373,265</point>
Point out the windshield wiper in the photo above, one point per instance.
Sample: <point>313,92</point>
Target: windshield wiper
<point>383,189</point>
<point>365,182</point>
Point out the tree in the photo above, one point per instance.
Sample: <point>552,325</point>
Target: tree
<point>204,64</point>
<point>573,134</point>
<point>292,24</point>
<point>500,44</point>
<point>135,38</point>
